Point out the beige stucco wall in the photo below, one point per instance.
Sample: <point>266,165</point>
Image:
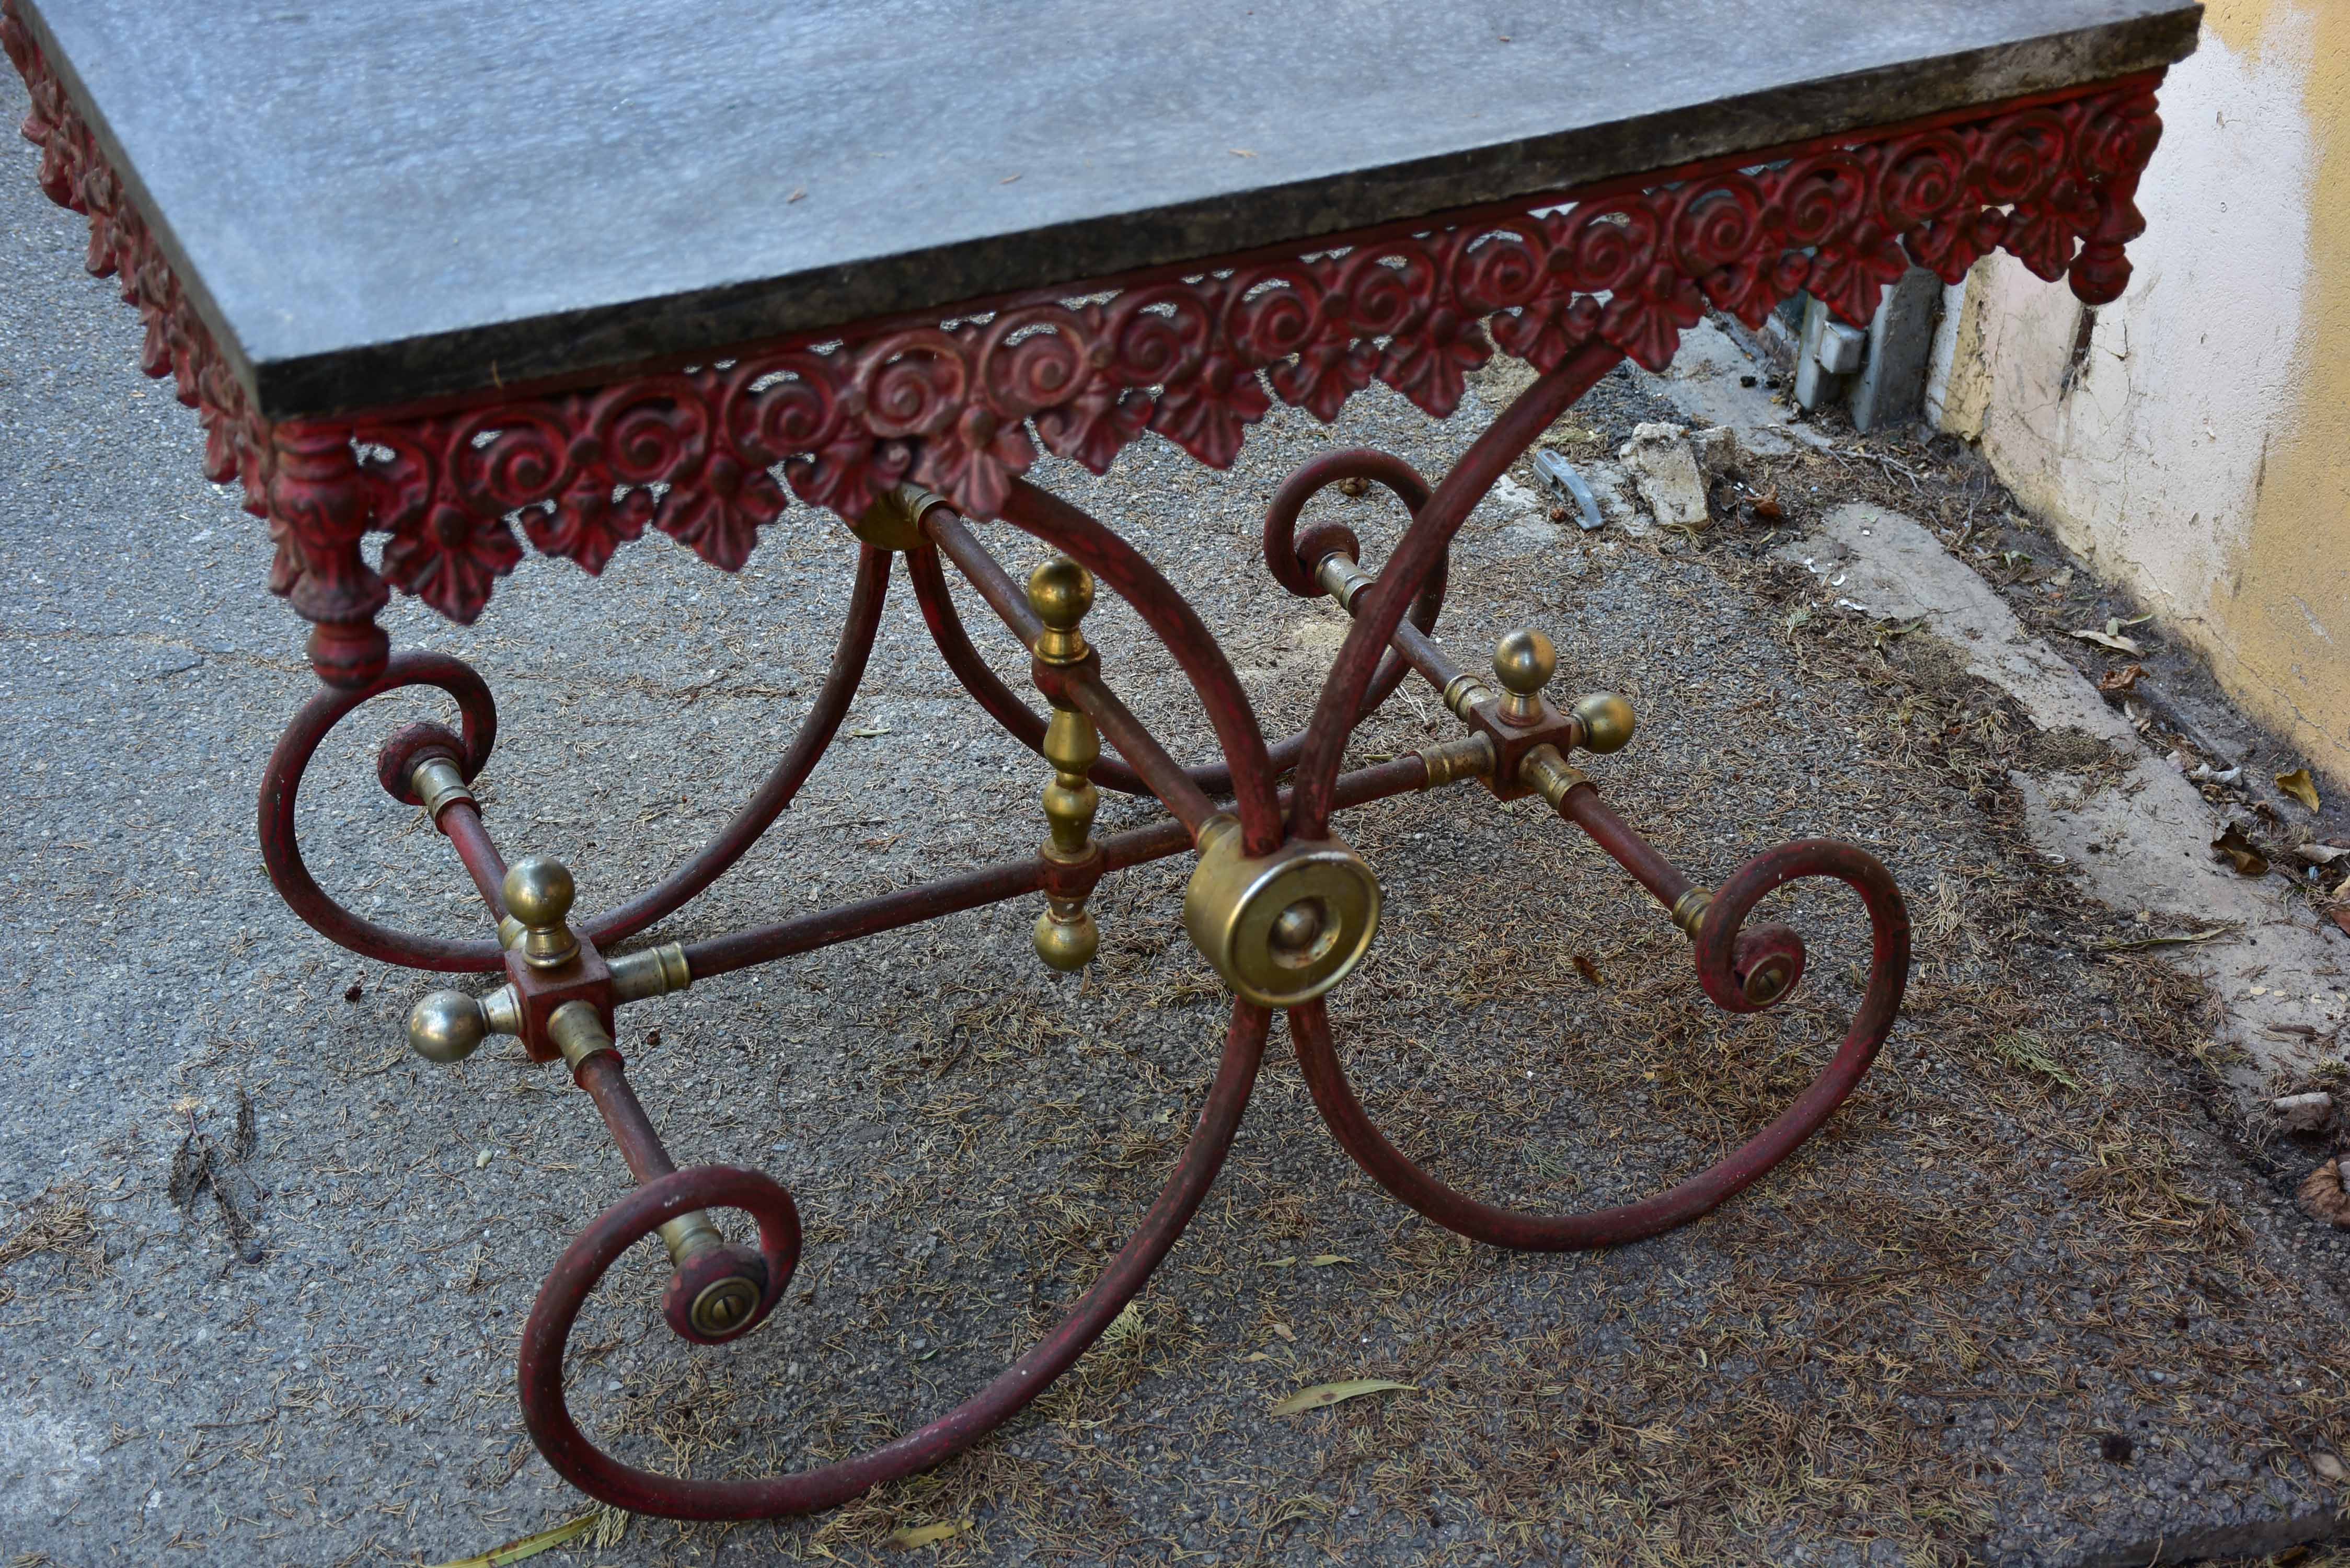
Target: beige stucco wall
<point>2200,453</point>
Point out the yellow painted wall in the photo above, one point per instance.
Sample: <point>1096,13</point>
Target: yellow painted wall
<point>2287,610</point>
<point>2201,455</point>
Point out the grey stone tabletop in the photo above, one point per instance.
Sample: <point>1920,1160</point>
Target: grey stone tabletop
<point>372,204</point>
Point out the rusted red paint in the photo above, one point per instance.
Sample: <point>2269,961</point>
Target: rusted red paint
<point>1888,973</point>
<point>576,1459</point>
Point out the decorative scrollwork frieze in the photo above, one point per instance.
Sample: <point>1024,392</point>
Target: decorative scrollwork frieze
<point>964,408</point>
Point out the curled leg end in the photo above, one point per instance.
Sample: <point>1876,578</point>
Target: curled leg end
<point>721,1294</point>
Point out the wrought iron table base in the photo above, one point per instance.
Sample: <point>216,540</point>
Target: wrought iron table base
<point>902,425</point>
<point>1279,905</point>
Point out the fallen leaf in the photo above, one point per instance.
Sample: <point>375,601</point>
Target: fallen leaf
<point>2322,1196</point>
<point>1323,1394</point>
<point>2114,640</point>
<point>358,991</point>
<point>1766,506</point>
<point>2323,854</point>
<point>2328,1466</point>
<point>1256,1355</point>
<point>1588,969</point>
<point>867,734</point>
<point>1008,179</point>
<point>915,1535</point>
<point>799,195</point>
<point>1240,152</point>
<point>2297,785</point>
<point>1802,617</point>
<point>1288,1263</point>
<point>1285,1331</point>
<point>2122,679</point>
<point>2236,848</point>
<point>1324,1260</point>
<point>570,1530</point>
<point>2216,931</point>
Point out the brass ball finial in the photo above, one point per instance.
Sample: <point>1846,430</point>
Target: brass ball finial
<point>447,1026</point>
<point>1066,942</point>
<point>539,890</point>
<point>539,893</point>
<point>1060,592</point>
<point>1608,722</point>
<point>1524,662</point>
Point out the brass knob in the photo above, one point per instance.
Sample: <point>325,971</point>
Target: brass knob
<point>1608,722</point>
<point>1067,940</point>
<point>1524,662</point>
<point>1281,928</point>
<point>447,1026</point>
<point>1767,981</point>
<point>539,893</point>
<point>1061,592</point>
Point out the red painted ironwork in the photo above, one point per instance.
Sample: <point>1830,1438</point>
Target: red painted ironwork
<point>1888,974</point>
<point>1574,284</point>
<point>1194,358</point>
<point>281,786</point>
<point>574,1274</point>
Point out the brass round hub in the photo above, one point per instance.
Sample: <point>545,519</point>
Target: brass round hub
<point>725,1307</point>
<point>1284,927</point>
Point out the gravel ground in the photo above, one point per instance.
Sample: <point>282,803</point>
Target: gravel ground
<point>261,1273</point>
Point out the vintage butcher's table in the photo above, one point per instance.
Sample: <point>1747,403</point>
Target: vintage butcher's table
<point>463,274</point>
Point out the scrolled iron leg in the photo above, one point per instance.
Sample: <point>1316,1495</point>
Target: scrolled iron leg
<point>575,1456</point>
<point>1519,746</point>
<point>1741,971</point>
<point>405,755</point>
<point>1717,947</point>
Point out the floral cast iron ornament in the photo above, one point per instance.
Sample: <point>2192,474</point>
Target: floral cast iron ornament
<point>1196,357</point>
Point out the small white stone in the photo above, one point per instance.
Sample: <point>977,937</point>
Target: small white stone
<point>2304,1112</point>
<point>1664,471</point>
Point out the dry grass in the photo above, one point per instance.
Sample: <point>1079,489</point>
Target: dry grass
<point>58,1224</point>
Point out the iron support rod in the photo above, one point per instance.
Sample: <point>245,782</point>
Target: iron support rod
<point>460,823</point>
<point>1168,779</point>
<point>993,884</point>
<point>978,564</point>
<point>1666,882</point>
<point>1125,732</point>
<point>1347,583</point>
<point>607,1082</point>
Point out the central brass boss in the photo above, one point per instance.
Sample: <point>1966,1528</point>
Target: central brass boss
<point>1284,927</point>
